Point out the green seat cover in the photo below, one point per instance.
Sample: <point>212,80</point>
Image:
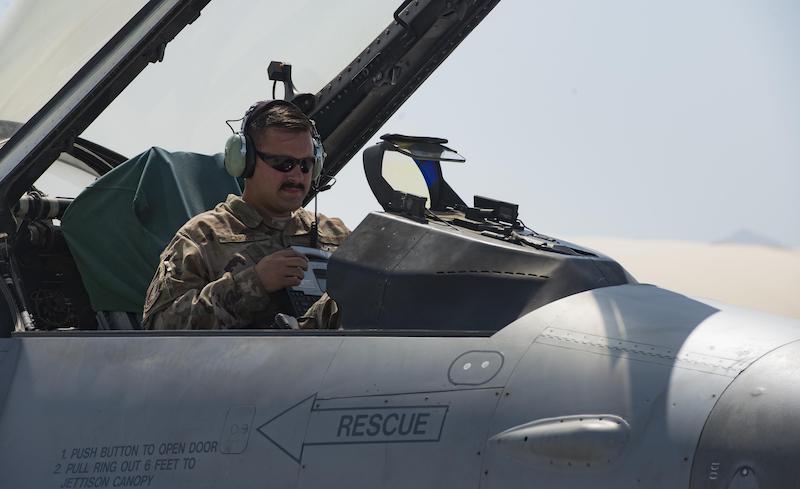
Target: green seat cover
<point>117,227</point>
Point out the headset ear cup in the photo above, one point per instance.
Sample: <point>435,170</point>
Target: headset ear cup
<point>317,171</point>
<point>240,154</point>
<point>249,157</point>
<point>235,151</point>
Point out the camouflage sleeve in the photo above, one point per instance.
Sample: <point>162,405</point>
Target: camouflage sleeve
<point>323,314</point>
<point>335,227</point>
<point>182,295</point>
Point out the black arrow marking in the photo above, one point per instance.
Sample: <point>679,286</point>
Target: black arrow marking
<point>307,424</point>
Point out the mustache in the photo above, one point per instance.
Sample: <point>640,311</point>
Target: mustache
<point>290,185</point>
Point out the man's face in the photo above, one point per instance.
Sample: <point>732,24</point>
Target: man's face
<point>273,192</point>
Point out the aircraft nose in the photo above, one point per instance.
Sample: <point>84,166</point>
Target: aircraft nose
<point>752,436</point>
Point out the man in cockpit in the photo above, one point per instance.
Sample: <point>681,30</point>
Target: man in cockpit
<point>228,267</point>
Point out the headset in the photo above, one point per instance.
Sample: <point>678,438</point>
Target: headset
<point>240,155</point>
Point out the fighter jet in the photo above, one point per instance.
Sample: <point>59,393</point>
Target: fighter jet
<point>474,351</point>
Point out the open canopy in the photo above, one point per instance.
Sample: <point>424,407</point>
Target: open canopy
<point>210,73</point>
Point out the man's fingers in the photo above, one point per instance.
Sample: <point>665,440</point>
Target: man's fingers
<point>291,281</point>
<point>284,268</point>
<point>290,271</point>
<point>297,262</point>
<point>295,272</point>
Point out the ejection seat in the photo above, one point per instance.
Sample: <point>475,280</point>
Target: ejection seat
<point>118,226</point>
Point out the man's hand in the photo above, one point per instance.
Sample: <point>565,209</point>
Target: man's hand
<point>281,269</point>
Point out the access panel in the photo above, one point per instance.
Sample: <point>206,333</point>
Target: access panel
<point>405,412</point>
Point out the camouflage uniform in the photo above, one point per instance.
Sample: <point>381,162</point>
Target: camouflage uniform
<point>207,277</point>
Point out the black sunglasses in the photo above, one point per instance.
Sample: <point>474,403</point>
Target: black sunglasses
<point>285,164</point>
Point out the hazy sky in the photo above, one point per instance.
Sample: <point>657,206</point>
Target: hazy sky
<point>674,119</point>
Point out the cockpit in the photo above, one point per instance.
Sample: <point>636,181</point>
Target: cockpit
<point>430,261</point>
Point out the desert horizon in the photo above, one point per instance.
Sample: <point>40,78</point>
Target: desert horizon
<point>759,277</point>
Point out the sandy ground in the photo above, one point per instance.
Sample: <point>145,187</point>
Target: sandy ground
<point>757,277</point>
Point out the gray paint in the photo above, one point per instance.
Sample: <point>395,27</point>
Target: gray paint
<point>752,438</point>
<point>339,410</point>
<point>83,393</point>
<point>577,439</point>
<point>9,351</point>
<point>665,397</point>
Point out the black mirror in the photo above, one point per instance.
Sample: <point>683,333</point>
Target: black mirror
<point>422,148</point>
